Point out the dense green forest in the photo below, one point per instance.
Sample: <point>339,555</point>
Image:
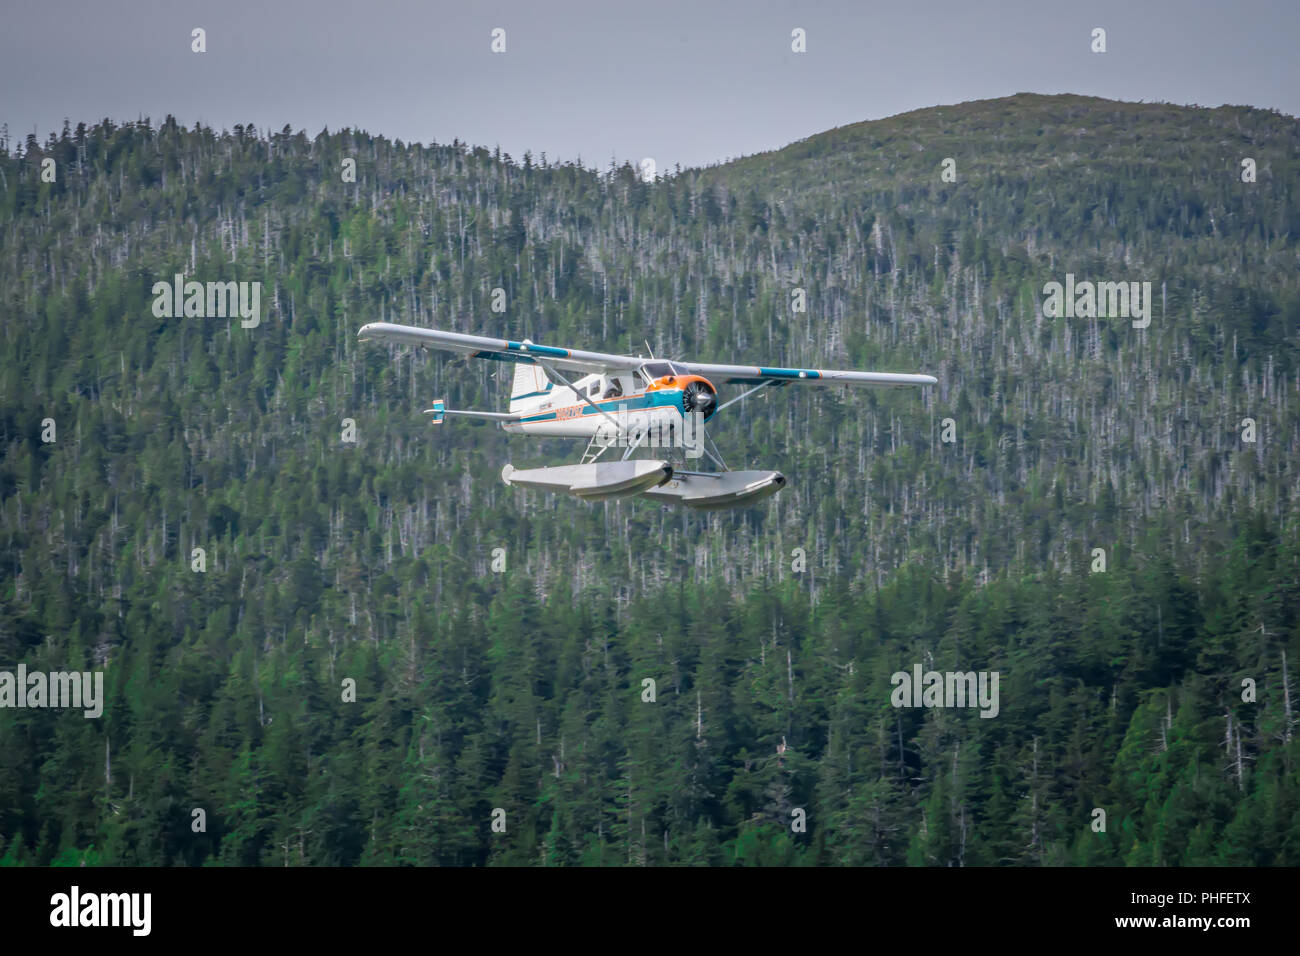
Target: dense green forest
<point>499,639</point>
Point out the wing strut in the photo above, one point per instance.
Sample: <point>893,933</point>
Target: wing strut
<point>582,395</point>
<point>743,394</point>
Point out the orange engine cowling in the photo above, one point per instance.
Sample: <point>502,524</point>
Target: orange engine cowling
<point>698,393</point>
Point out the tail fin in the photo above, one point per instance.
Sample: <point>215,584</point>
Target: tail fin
<point>530,388</point>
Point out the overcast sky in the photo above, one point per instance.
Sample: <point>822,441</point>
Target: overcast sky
<point>681,82</point>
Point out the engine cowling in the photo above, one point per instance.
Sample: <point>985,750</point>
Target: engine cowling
<point>699,395</point>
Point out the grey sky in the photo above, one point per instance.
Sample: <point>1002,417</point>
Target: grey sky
<point>682,82</point>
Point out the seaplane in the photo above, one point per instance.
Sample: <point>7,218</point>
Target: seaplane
<point>628,402</point>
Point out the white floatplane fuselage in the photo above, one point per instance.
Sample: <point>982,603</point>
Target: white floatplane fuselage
<point>654,403</point>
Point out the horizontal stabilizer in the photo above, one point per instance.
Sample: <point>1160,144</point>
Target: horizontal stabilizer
<point>440,411</point>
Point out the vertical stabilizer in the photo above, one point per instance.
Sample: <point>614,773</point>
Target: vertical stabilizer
<point>531,387</point>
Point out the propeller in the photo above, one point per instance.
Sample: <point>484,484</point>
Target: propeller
<point>699,397</point>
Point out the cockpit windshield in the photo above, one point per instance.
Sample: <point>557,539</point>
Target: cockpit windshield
<point>654,370</point>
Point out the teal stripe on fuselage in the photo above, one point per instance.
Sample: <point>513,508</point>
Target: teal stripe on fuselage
<point>671,397</point>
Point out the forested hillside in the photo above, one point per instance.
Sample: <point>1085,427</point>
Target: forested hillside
<point>499,639</point>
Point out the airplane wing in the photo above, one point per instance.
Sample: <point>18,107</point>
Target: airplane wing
<point>757,375</point>
<point>505,350</point>
<point>501,350</point>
